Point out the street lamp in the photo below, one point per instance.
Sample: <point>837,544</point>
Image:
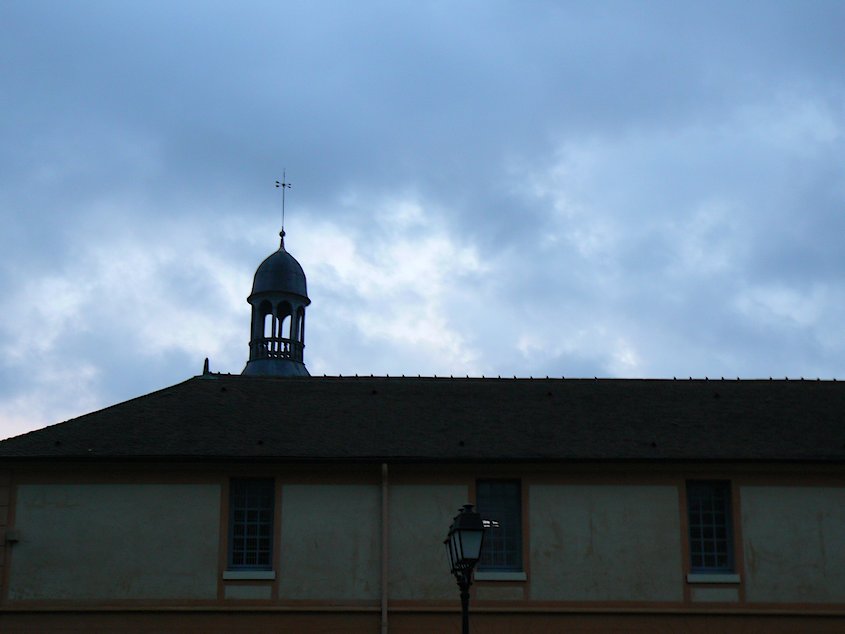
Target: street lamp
<point>463,543</point>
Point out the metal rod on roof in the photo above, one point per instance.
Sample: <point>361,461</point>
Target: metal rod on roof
<point>283,185</point>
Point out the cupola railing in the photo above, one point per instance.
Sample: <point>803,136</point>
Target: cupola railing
<point>275,348</point>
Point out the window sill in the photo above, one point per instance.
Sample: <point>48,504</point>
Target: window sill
<point>704,577</point>
<point>249,574</point>
<point>501,576</point>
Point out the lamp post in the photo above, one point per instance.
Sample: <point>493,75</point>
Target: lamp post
<point>463,543</point>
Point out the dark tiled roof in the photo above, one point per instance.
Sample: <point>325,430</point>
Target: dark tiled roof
<point>426,419</point>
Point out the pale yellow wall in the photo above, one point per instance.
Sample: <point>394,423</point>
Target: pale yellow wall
<point>714,594</point>
<point>330,542</point>
<point>248,592</point>
<point>499,592</point>
<point>420,516</point>
<point>794,543</point>
<point>605,543</point>
<point>116,541</point>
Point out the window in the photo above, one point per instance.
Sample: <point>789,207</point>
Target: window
<point>251,524</point>
<point>501,501</point>
<point>710,534</point>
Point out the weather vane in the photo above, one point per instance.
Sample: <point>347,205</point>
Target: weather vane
<point>284,185</point>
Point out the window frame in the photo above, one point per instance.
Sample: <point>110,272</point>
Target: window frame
<point>513,519</point>
<point>266,565</point>
<point>715,491</point>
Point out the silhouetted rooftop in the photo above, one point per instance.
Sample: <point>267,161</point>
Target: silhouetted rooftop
<point>446,420</point>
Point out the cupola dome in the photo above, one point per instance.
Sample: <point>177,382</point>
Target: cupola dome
<point>280,272</point>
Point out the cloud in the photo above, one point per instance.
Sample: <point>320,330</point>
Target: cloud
<point>483,188</point>
<point>397,282</point>
<point>126,305</point>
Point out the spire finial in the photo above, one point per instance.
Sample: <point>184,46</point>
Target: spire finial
<point>283,185</point>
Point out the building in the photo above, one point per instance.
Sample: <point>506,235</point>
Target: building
<point>275,501</point>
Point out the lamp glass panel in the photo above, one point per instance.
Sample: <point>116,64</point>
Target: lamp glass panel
<point>450,551</point>
<point>455,539</point>
<point>471,544</point>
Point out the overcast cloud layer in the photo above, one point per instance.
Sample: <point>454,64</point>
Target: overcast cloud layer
<point>633,189</point>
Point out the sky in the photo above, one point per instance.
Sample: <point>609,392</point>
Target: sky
<point>600,188</point>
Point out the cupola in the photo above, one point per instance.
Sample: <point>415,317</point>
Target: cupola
<point>278,301</point>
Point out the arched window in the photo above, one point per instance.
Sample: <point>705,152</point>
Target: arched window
<point>269,325</point>
<point>265,322</point>
<point>284,312</point>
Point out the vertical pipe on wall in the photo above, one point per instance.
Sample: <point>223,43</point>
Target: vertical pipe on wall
<point>385,540</point>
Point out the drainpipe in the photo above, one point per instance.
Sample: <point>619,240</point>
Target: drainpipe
<point>385,549</point>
